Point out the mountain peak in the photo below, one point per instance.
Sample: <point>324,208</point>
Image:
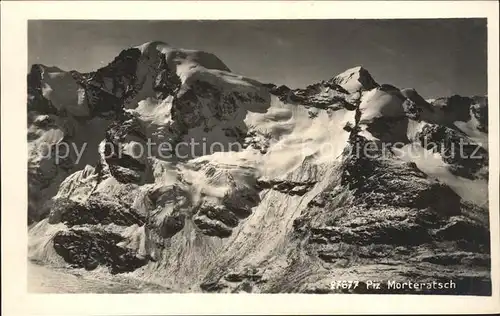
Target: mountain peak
<point>354,79</point>
<point>42,67</point>
<point>148,46</point>
<point>357,69</point>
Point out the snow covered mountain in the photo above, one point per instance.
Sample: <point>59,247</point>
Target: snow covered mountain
<point>291,206</point>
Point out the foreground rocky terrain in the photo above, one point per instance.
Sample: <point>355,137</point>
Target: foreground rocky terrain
<point>292,206</point>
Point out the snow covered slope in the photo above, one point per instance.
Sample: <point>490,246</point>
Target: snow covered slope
<point>275,195</point>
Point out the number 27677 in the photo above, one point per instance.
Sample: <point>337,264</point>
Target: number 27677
<point>344,285</point>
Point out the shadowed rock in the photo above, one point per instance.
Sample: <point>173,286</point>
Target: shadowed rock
<point>96,210</point>
<point>89,249</point>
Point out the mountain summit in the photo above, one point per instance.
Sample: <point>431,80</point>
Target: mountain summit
<point>355,79</point>
<point>251,187</point>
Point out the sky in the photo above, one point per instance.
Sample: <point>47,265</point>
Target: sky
<point>436,57</point>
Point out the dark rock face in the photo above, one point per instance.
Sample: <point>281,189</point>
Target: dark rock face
<point>220,217</point>
<point>172,225</point>
<point>219,220</point>
<point>285,186</point>
<point>402,227</point>
<point>322,95</point>
<point>124,66</point>
<point>187,106</point>
<point>89,249</point>
<point>58,207</point>
<point>469,232</point>
<point>167,82</point>
<point>456,105</point>
<point>215,226</point>
<point>96,210</point>
<point>241,201</point>
<point>389,130</point>
<point>282,92</point>
<point>381,181</point>
<point>186,109</point>
<point>36,101</point>
<point>465,157</point>
<point>479,109</point>
<point>108,87</point>
<point>125,167</point>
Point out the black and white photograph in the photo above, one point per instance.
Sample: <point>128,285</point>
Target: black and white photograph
<point>258,156</point>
